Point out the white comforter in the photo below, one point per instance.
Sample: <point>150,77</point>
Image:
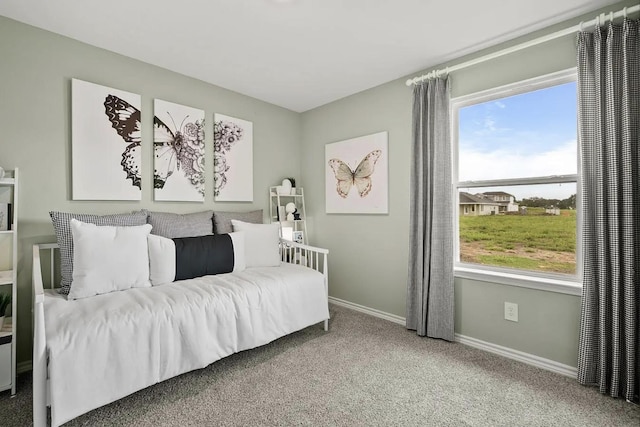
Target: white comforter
<point>108,346</point>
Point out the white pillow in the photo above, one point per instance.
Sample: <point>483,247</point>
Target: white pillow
<point>108,258</point>
<point>239,252</point>
<point>261,243</point>
<point>162,260</point>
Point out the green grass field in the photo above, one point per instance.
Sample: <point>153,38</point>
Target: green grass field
<point>532,242</point>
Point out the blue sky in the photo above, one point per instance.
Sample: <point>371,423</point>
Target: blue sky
<point>527,135</point>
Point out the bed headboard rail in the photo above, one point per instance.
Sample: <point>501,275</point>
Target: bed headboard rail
<point>39,360</point>
<point>309,256</point>
<point>49,251</point>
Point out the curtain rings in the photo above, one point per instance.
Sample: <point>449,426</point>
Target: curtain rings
<point>580,26</point>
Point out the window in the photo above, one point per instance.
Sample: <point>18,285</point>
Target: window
<point>517,180</point>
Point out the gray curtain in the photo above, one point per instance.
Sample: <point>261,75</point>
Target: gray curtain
<point>609,119</point>
<point>430,283</point>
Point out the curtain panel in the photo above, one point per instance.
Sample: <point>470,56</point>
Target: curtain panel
<point>430,305</point>
<point>609,120</point>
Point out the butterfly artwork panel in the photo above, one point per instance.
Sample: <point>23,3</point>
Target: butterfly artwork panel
<point>105,143</point>
<point>357,175</point>
<point>179,152</point>
<point>232,159</point>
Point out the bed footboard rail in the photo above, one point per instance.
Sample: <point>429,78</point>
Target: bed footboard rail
<point>40,395</point>
<point>308,256</point>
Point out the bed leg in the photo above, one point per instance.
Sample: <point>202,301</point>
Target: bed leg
<point>39,372</point>
<point>326,325</point>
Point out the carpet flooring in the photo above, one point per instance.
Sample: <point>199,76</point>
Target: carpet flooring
<point>363,372</point>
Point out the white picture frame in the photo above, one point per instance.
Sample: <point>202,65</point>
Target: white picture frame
<point>105,143</point>
<point>357,175</point>
<point>232,159</point>
<point>178,152</point>
<point>298,237</point>
<point>5,216</point>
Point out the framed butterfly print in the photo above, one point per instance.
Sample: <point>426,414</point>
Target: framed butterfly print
<point>357,175</point>
<point>105,143</point>
<point>232,159</point>
<point>178,148</point>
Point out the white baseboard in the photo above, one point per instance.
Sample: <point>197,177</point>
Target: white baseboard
<point>23,367</point>
<point>370,311</point>
<point>529,359</point>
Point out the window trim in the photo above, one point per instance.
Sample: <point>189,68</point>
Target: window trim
<point>553,282</point>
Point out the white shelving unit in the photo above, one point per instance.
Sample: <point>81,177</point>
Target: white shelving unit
<point>9,280</point>
<point>277,213</point>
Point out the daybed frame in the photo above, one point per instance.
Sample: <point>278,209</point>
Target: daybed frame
<point>296,253</point>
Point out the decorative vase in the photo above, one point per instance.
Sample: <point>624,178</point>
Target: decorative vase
<point>1,322</point>
<point>286,186</point>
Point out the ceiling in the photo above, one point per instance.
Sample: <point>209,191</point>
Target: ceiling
<point>298,54</point>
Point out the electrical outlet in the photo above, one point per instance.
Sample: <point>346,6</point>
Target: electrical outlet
<point>511,311</point>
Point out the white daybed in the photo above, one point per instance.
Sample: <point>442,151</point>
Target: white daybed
<point>90,352</point>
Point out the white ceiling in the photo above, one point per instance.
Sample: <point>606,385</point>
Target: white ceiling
<point>298,54</point>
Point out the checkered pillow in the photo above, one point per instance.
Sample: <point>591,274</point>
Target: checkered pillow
<point>62,226</point>
<point>172,225</point>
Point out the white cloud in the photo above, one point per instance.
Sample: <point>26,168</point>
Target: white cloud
<point>500,164</point>
<point>489,124</point>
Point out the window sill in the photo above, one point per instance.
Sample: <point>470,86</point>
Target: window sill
<point>570,287</point>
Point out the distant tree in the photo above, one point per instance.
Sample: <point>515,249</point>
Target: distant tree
<point>540,202</point>
<point>569,202</point>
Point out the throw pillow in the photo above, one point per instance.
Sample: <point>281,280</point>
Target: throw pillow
<point>222,220</point>
<point>189,257</point>
<point>208,255</point>
<point>170,225</point>
<point>261,243</point>
<point>108,259</point>
<point>62,228</point>
<point>162,260</point>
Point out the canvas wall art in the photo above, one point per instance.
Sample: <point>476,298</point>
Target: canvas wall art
<point>357,175</point>
<point>178,144</point>
<point>105,143</point>
<point>233,159</point>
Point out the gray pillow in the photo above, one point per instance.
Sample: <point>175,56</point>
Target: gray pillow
<point>62,227</point>
<point>172,225</point>
<point>222,220</point>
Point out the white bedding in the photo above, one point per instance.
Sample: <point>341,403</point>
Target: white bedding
<point>108,346</point>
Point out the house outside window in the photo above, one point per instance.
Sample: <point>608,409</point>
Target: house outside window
<point>517,180</point>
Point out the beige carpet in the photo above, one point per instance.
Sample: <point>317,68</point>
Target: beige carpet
<point>364,372</point>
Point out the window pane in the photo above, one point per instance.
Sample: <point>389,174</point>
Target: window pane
<point>528,135</point>
<point>528,227</point>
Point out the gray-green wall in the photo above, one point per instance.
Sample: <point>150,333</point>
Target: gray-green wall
<point>36,68</point>
<point>368,258</point>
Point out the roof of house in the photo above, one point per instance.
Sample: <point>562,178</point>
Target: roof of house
<point>497,193</point>
<point>470,199</point>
